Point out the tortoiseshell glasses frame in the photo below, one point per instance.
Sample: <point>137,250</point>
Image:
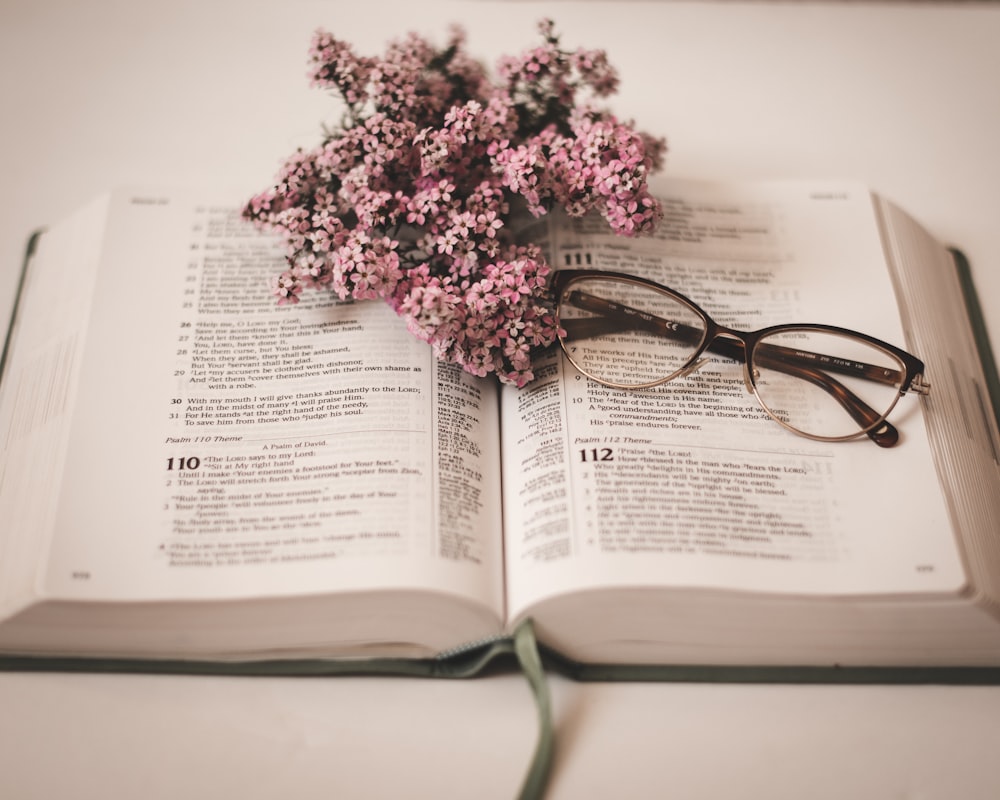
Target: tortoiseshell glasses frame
<point>628,332</point>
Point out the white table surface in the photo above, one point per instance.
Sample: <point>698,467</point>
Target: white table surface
<point>903,97</point>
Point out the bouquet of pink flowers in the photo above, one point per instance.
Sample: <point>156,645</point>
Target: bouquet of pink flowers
<point>414,196</point>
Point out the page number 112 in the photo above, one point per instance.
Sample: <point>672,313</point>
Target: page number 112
<point>596,454</point>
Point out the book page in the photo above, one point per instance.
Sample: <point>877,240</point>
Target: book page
<point>964,418</point>
<point>40,371</point>
<point>691,484</point>
<point>226,447</point>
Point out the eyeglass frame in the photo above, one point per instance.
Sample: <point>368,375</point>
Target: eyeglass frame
<point>741,346</point>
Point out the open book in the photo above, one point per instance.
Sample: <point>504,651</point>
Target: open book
<point>189,471</point>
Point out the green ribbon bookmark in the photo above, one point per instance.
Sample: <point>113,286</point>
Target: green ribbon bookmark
<point>528,657</point>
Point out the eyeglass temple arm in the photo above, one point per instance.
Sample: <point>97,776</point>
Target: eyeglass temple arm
<point>619,317</point>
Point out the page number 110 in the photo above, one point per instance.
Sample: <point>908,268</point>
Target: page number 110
<point>189,463</point>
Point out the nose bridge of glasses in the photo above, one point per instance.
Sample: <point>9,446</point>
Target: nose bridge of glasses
<point>730,344</point>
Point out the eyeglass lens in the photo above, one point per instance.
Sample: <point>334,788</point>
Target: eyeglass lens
<point>801,375</point>
<point>627,334</point>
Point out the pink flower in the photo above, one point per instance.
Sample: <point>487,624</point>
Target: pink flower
<point>410,199</point>
<point>286,288</point>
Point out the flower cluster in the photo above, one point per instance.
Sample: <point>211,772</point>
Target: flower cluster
<point>416,196</point>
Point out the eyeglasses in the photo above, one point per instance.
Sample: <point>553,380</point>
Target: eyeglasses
<point>819,381</point>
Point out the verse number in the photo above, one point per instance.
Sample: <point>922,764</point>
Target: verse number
<point>596,454</point>
<point>189,463</point>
